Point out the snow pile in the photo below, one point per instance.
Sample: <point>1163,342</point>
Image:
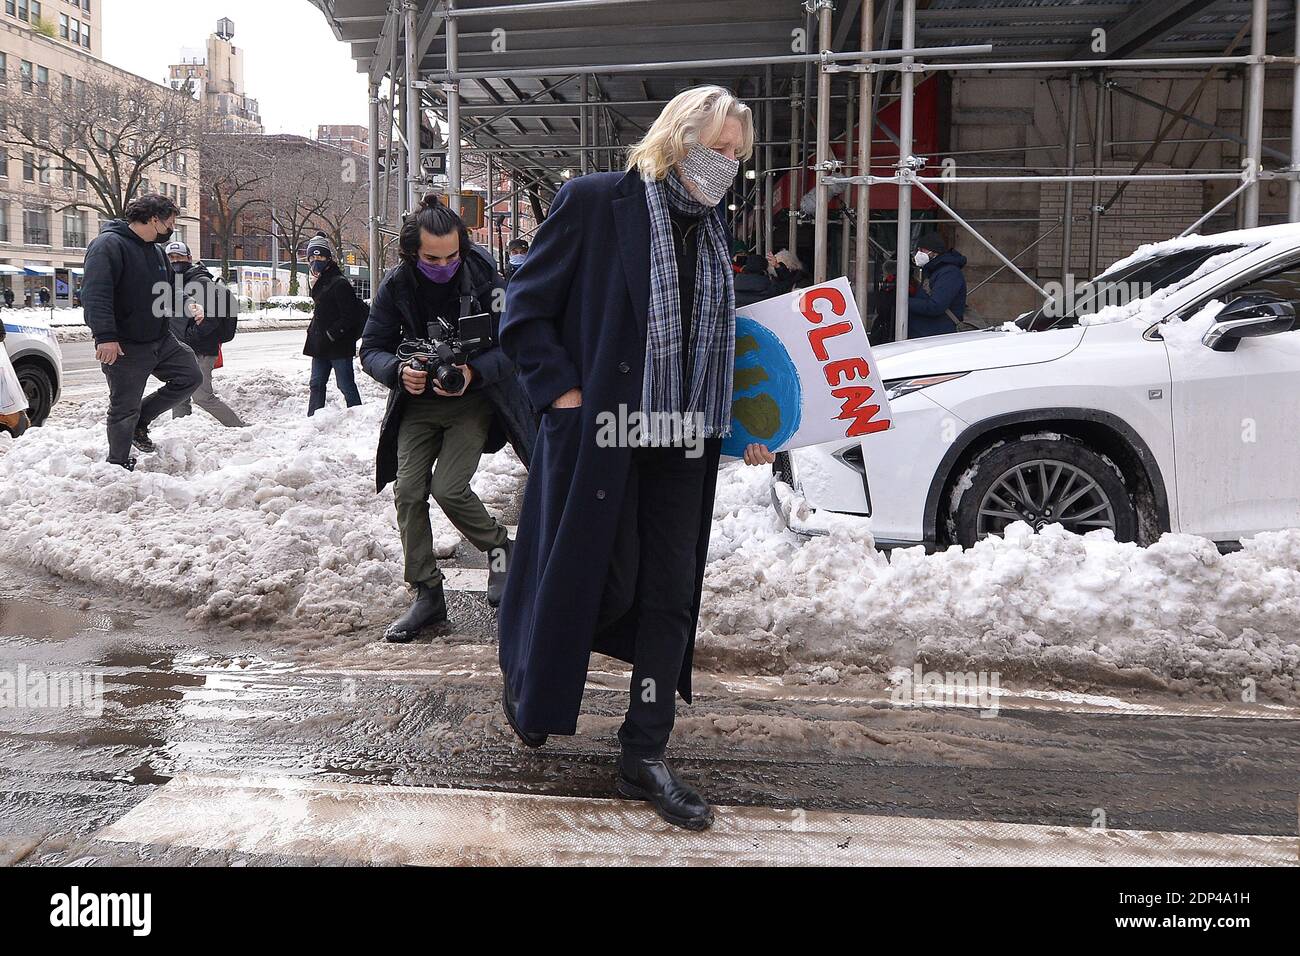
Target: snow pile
<point>279,521</point>
<point>250,320</point>
<point>1177,615</point>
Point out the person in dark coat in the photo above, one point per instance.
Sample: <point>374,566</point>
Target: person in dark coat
<point>613,538</point>
<point>209,327</point>
<point>517,250</point>
<point>940,303</point>
<point>9,298</point>
<point>133,337</point>
<point>787,272</point>
<point>336,325</point>
<point>753,284</point>
<point>432,439</point>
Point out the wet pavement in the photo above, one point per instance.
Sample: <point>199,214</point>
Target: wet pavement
<point>175,699</point>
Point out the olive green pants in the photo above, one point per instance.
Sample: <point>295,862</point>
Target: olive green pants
<point>439,444</point>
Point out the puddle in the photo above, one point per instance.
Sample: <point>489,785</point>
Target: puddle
<point>22,619</point>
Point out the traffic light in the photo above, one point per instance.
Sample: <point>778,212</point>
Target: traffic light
<point>471,208</point>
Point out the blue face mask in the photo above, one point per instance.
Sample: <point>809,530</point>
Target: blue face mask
<point>318,267</point>
<point>517,259</point>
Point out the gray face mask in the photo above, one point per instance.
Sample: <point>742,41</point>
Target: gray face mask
<point>709,172</point>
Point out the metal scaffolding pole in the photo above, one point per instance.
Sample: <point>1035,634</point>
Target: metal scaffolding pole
<point>769,135</point>
<point>792,203</point>
<point>1071,150</point>
<point>866,126</point>
<point>487,210</point>
<point>583,129</point>
<point>783,59</point>
<point>411,103</point>
<point>1255,134</point>
<point>1098,145</point>
<point>451,88</point>
<point>846,227</point>
<point>514,209</point>
<point>903,241</point>
<point>825,161</point>
<point>1293,187</point>
<point>372,170</point>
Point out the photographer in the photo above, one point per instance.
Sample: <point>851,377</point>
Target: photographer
<point>203,333</point>
<point>433,436</point>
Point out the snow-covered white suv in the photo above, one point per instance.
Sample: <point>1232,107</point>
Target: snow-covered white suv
<point>36,358</point>
<point>1175,408</point>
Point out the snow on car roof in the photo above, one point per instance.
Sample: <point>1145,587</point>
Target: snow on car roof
<point>1285,232</point>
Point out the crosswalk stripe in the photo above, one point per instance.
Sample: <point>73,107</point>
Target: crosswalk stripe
<point>435,826</point>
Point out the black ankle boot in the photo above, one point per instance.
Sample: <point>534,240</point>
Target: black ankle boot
<point>498,569</point>
<point>142,440</point>
<point>428,608</point>
<point>653,780</point>
<point>508,705</point>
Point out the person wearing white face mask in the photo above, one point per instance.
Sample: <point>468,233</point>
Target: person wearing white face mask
<point>939,303</point>
<point>625,306</point>
<point>517,251</point>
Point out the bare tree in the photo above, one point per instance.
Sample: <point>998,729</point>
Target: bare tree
<point>112,132</point>
<point>344,218</point>
<point>299,191</point>
<point>236,177</point>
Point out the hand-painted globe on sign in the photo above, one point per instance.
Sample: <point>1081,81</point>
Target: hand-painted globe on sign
<point>767,397</point>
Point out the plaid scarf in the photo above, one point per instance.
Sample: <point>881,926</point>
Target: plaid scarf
<point>706,407</point>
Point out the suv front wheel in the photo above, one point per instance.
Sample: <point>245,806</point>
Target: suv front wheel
<point>1041,481</point>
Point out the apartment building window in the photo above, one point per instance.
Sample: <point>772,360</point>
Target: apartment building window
<point>43,80</point>
<point>43,169</point>
<point>29,168</point>
<point>4,69</point>
<point>4,220</point>
<point>4,162</point>
<point>10,8</point>
<point>67,87</point>
<point>85,35</point>
<point>36,227</point>
<point>63,26</point>
<point>22,9</point>
<point>74,229</point>
<point>67,175</point>
<point>25,69</point>
<point>36,12</point>
<point>185,197</point>
<point>74,30</point>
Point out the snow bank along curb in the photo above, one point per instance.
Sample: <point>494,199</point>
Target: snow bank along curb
<point>280,523</point>
<point>261,320</point>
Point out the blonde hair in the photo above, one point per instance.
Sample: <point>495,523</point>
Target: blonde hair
<point>789,260</point>
<point>693,116</point>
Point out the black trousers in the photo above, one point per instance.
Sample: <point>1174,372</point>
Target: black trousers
<point>661,511</point>
<point>166,360</point>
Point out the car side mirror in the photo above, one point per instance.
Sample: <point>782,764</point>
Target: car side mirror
<point>1249,316</point>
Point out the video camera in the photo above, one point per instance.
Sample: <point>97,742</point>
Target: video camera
<point>443,350</point>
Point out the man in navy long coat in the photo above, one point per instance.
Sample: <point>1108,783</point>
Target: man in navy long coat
<point>590,569</point>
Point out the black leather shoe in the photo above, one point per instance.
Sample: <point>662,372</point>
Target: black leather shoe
<point>508,705</point>
<point>428,608</point>
<point>129,464</point>
<point>498,569</point>
<point>653,780</point>
<point>142,440</point>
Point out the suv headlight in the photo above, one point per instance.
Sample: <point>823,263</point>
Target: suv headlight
<point>897,388</point>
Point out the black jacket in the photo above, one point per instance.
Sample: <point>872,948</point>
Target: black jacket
<point>220,308</point>
<point>120,291</point>
<point>753,287</point>
<point>395,316</point>
<point>339,317</point>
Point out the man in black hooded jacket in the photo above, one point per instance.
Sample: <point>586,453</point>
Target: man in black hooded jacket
<point>128,306</point>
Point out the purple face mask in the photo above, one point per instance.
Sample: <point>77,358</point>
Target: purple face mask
<point>436,273</point>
